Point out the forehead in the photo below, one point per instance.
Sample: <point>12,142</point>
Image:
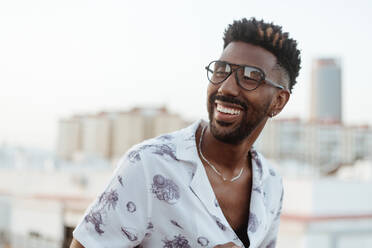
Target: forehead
<point>247,54</point>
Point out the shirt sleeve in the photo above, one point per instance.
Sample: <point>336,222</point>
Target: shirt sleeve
<point>271,237</point>
<point>120,215</point>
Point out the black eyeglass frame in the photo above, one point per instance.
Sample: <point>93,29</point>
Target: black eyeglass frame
<point>263,80</point>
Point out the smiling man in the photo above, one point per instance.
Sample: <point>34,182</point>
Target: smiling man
<point>205,185</point>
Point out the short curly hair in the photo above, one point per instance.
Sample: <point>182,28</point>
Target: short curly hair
<point>270,37</point>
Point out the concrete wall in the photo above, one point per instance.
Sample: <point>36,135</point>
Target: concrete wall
<point>327,213</point>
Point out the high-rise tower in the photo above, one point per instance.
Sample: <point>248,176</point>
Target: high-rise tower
<point>326,91</point>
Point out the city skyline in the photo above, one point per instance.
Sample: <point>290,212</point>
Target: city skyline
<point>58,59</point>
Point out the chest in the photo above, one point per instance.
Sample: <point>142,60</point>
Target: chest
<point>196,219</point>
<point>234,201</point>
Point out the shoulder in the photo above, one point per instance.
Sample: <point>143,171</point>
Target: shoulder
<point>163,147</point>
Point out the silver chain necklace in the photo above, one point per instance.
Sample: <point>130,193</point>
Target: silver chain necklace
<point>211,165</point>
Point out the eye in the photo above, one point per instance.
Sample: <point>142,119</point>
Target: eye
<point>220,73</point>
<point>252,73</point>
<point>221,69</point>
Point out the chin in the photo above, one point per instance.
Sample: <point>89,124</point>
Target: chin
<point>228,133</point>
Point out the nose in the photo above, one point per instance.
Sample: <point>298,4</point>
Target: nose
<point>230,86</point>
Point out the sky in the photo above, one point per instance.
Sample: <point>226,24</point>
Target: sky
<point>60,58</point>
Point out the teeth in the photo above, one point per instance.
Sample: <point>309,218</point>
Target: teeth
<point>227,110</point>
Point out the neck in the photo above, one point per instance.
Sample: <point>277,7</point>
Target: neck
<point>228,157</point>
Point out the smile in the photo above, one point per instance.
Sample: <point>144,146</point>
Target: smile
<point>227,110</point>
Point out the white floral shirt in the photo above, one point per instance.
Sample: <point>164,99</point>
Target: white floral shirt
<point>160,196</point>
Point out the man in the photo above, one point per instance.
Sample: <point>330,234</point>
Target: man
<point>206,186</point>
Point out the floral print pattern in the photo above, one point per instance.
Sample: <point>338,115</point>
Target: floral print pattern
<point>95,218</point>
<point>107,201</point>
<point>178,242</point>
<point>164,150</point>
<point>131,207</point>
<point>220,225</point>
<point>134,156</point>
<point>129,234</point>
<point>120,180</point>
<point>252,223</point>
<point>203,241</point>
<point>257,189</point>
<point>176,224</point>
<point>165,189</point>
<point>149,229</point>
<point>165,137</point>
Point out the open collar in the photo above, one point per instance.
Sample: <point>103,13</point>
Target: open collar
<point>186,150</point>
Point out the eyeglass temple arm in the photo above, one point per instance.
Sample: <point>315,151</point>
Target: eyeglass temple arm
<point>274,84</point>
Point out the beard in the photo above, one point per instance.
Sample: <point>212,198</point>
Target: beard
<point>252,117</point>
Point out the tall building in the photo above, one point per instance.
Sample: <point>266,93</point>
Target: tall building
<point>326,91</point>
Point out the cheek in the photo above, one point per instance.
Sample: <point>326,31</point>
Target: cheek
<point>259,103</point>
<point>211,91</point>
<point>264,105</point>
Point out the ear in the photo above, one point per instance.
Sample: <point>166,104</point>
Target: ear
<point>279,101</point>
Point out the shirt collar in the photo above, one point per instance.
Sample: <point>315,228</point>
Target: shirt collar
<point>186,144</point>
<point>257,224</point>
<point>186,150</point>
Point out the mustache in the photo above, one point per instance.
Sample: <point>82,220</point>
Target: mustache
<point>229,99</point>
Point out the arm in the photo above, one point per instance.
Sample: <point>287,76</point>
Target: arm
<point>75,244</point>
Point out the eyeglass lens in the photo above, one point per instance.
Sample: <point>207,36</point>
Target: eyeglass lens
<point>248,77</point>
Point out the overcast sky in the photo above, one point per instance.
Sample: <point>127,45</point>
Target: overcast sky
<point>59,58</point>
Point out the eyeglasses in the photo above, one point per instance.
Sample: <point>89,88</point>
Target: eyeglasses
<point>248,77</point>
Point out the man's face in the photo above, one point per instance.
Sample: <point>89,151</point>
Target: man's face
<point>234,112</point>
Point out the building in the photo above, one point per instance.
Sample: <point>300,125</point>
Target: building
<point>69,137</point>
<point>326,91</point>
<point>109,135</point>
<point>326,213</point>
<point>283,139</point>
<point>358,140</point>
<point>96,135</point>
<point>323,145</point>
<point>127,130</point>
